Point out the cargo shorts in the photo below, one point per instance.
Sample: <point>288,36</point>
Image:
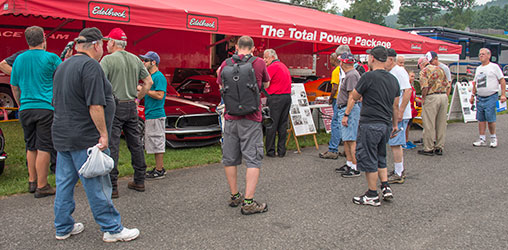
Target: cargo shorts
<point>371,146</point>
<point>242,139</point>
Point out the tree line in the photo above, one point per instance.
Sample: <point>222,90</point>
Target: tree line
<point>456,14</point>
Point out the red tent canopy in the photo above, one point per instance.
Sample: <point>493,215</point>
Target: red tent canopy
<point>255,18</point>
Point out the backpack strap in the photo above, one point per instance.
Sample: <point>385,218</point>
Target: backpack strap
<point>230,62</point>
<point>252,59</point>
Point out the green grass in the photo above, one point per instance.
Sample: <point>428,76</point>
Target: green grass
<point>14,180</point>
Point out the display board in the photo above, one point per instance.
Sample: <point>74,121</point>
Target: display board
<point>460,106</point>
<point>301,117</point>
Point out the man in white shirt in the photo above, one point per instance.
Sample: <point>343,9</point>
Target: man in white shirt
<point>486,82</point>
<point>399,175</point>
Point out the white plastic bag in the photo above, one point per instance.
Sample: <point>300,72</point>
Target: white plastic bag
<point>97,164</point>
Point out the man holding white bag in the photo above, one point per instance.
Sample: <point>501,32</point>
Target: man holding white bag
<point>84,110</point>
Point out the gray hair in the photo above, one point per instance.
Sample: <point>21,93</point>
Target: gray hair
<point>400,57</point>
<point>120,43</point>
<point>272,53</point>
<point>485,49</point>
<point>342,48</point>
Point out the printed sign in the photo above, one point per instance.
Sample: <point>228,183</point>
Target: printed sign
<point>460,106</point>
<point>300,114</point>
<point>416,46</point>
<point>109,11</point>
<point>199,22</point>
<point>321,36</point>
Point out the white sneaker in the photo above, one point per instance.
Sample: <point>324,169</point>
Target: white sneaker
<point>493,142</point>
<point>78,228</point>
<point>480,143</point>
<point>125,235</point>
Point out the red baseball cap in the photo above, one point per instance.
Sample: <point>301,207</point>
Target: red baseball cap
<point>116,34</point>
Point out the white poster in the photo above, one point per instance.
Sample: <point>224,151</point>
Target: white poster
<point>460,106</point>
<point>300,114</point>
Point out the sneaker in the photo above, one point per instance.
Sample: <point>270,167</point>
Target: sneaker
<point>78,228</point>
<point>493,142</point>
<point>253,208</point>
<point>395,178</point>
<point>351,173</point>
<point>480,143</point>
<point>410,145</point>
<point>114,194</point>
<point>438,151</point>
<point>329,155</point>
<point>137,187</point>
<point>45,191</point>
<point>235,201</point>
<point>405,146</point>
<point>342,169</point>
<point>423,152</point>
<point>365,200</point>
<point>125,235</point>
<point>387,193</point>
<point>155,174</point>
<point>32,186</point>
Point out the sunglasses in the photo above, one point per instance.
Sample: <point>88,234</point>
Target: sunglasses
<point>147,60</point>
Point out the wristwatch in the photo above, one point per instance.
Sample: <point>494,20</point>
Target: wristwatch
<point>346,115</point>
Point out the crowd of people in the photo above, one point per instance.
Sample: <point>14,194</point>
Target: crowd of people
<point>89,100</point>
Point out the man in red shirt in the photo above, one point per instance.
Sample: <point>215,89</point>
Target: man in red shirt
<point>279,102</point>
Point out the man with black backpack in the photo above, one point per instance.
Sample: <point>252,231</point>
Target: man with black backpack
<point>241,78</point>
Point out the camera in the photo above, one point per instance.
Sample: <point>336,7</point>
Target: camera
<point>66,49</point>
<point>267,120</point>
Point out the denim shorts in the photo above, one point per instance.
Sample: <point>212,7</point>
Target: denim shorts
<point>350,132</point>
<point>400,138</point>
<point>486,108</point>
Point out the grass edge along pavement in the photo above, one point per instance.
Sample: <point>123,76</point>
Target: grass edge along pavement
<point>14,179</point>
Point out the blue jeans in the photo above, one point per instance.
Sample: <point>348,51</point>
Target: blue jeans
<point>333,145</point>
<point>98,191</point>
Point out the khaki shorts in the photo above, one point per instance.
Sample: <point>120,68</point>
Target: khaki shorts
<point>155,137</point>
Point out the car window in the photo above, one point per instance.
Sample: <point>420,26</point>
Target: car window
<point>326,86</point>
<point>192,86</point>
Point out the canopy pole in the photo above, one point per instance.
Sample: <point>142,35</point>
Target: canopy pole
<point>59,27</point>
<point>284,45</point>
<point>147,36</point>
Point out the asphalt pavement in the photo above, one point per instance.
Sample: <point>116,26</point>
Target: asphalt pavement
<point>455,201</point>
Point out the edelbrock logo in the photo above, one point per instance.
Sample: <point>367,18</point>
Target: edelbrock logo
<point>108,11</point>
<point>416,46</point>
<point>443,48</point>
<point>199,22</point>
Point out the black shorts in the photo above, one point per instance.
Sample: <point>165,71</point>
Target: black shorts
<point>371,146</point>
<point>36,125</point>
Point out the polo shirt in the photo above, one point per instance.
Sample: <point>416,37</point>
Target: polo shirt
<point>280,79</point>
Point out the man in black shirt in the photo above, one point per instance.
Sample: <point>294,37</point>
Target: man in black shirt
<point>378,122</point>
<point>84,110</point>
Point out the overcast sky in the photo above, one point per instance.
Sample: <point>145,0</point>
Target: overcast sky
<point>396,4</point>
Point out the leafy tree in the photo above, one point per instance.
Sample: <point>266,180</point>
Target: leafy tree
<point>421,12</point>
<point>322,5</point>
<point>493,17</point>
<point>372,11</point>
<point>459,15</point>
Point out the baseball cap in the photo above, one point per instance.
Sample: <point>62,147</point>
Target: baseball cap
<point>347,57</point>
<point>430,55</point>
<point>391,52</point>
<point>342,48</point>
<point>379,52</point>
<point>422,60</point>
<point>89,35</point>
<point>116,34</point>
<point>150,55</point>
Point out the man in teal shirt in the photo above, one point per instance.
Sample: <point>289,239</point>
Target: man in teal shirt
<point>155,117</point>
<point>32,86</point>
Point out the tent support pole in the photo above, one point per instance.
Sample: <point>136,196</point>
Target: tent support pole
<point>147,36</point>
<point>59,27</point>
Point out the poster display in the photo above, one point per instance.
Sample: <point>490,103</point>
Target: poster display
<point>460,106</point>
<point>300,114</point>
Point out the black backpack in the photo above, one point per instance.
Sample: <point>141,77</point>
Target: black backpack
<point>240,90</point>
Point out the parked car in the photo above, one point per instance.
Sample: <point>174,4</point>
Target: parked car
<point>318,88</point>
<point>3,155</point>
<point>200,88</point>
<point>188,123</point>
